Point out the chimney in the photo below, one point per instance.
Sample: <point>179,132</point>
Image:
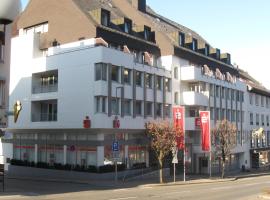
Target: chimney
<point>140,5</point>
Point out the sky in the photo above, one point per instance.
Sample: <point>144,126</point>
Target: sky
<point>239,27</point>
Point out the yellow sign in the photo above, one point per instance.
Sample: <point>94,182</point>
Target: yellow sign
<point>16,109</point>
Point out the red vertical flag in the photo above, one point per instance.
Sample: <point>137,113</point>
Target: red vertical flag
<point>179,123</point>
<point>205,130</point>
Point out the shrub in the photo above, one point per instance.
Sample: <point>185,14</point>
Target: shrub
<point>92,168</point>
<point>139,165</point>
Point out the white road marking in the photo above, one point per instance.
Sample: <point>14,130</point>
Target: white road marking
<point>251,184</point>
<point>222,188</point>
<point>123,198</point>
<point>179,192</point>
<point>120,190</point>
<point>147,187</point>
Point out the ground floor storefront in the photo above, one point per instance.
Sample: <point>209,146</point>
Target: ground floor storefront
<point>260,158</point>
<point>80,147</point>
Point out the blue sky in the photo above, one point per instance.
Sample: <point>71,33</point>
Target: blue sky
<point>239,27</point>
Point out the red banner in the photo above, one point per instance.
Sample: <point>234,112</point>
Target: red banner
<point>179,123</point>
<point>198,122</point>
<point>205,130</point>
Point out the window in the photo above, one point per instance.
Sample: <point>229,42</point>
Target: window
<point>206,50</point>
<point>222,114</point>
<point>217,91</point>
<point>138,78</point>
<point>158,82</point>
<point>48,111</point>
<point>212,113</point>
<point>115,73</point>
<point>158,109</point>
<point>257,119</point>
<point>127,76</point>
<point>242,96</point>
<point>232,94</point>
<point>267,120</point>
<point>168,84</point>
<point>217,114</point>
<point>149,108</point>
<point>167,110</point>
<point>100,104</point>
<point>267,102</point>
<point>148,80</point>
<point>147,32</point>
<point>194,44</point>
<point>250,98</point>
<point>181,39</point>
<point>115,106</point>
<point>105,17</point>
<point>238,116</point>
<point>217,54</point>
<point>237,96</point>
<point>262,101</point>
<point>138,108</point>
<point>233,115</point>
<point>176,98</point>
<point>127,107</point>
<point>222,92</point>
<point>262,119</point>
<point>251,118</point>
<point>211,90</point>
<point>268,138</point>
<point>243,116</point>
<point>101,71</point>
<point>238,137</point>
<point>40,28</point>
<point>229,114</point>
<point>256,99</point>
<point>228,93</point>
<point>2,53</point>
<point>176,71</point>
<point>2,93</point>
<point>127,26</point>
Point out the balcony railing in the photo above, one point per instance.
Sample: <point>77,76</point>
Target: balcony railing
<point>44,117</point>
<point>194,98</point>
<point>45,89</point>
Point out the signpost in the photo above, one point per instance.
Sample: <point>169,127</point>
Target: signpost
<point>116,155</point>
<point>175,160</point>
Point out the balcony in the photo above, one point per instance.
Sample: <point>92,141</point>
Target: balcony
<point>44,117</point>
<point>44,89</point>
<point>191,73</point>
<point>191,98</point>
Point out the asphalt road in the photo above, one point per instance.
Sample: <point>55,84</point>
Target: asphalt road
<point>247,188</point>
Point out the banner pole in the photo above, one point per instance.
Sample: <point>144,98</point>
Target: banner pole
<point>184,160</point>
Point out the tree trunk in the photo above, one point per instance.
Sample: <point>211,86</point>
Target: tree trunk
<point>160,160</point>
<point>223,164</point>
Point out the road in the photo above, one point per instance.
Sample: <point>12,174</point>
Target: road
<point>247,188</point>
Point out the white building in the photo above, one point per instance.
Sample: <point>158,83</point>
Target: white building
<point>9,9</point>
<point>115,60</point>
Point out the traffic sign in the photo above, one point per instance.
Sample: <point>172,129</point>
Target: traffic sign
<point>115,146</point>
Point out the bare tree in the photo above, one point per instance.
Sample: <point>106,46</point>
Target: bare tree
<point>225,141</point>
<point>162,134</point>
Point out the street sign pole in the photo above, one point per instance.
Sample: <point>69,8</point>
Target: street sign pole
<point>115,148</point>
<point>174,172</point>
<point>116,176</point>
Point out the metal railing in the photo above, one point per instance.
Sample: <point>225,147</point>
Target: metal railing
<point>44,117</point>
<point>44,89</point>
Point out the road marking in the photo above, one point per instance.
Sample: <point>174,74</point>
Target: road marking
<point>146,187</point>
<point>222,188</point>
<point>120,190</point>
<point>179,192</point>
<point>155,196</point>
<point>251,184</point>
<point>123,198</point>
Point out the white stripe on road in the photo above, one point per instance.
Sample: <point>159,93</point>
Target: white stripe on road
<point>179,192</point>
<point>120,190</point>
<point>222,188</point>
<point>251,184</point>
<point>123,198</point>
<point>146,187</point>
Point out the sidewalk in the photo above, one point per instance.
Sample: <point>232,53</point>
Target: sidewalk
<point>150,182</point>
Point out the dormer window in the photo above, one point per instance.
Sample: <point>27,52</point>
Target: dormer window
<point>105,17</point>
<point>181,39</point>
<point>194,44</point>
<point>127,26</point>
<point>207,50</point>
<point>218,54</point>
<point>147,32</point>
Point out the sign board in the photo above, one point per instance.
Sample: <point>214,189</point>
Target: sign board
<point>197,122</point>
<point>175,160</point>
<point>115,146</point>
<point>205,130</point>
